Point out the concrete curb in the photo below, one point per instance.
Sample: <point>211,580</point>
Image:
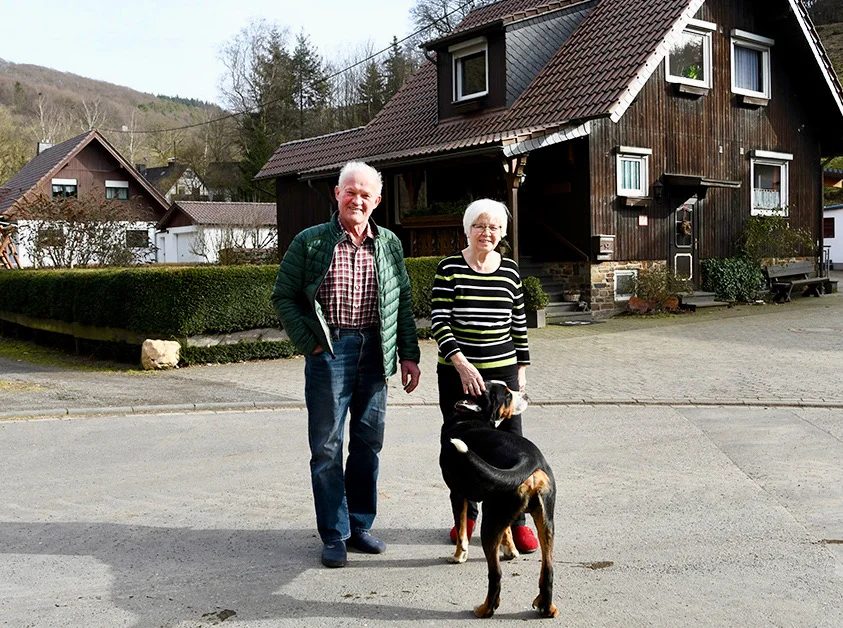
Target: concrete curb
<point>287,405</point>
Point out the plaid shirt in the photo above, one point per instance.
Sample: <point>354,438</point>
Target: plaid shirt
<point>349,293</point>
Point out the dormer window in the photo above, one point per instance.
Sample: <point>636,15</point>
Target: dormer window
<point>751,65</point>
<point>689,59</point>
<point>470,69</point>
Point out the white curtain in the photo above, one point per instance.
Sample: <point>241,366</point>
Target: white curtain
<point>748,69</point>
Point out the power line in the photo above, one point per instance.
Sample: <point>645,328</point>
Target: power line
<point>325,79</point>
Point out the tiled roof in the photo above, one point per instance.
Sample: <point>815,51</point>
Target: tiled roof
<point>505,12</point>
<point>51,160</point>
<point>39,167</point>
<point>218,213</point>
<point>595,73</point>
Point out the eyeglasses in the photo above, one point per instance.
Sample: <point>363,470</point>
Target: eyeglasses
<point>493,229</point>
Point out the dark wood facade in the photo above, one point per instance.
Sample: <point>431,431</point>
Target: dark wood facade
<point>712,136</point>
<point>91,167</point>
<point>700,144</point>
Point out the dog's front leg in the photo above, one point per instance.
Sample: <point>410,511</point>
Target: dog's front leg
<point>460,508</point>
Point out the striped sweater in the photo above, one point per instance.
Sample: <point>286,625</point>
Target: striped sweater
<point>480,314</point>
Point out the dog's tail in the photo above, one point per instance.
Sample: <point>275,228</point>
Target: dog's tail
<point>491,478</point>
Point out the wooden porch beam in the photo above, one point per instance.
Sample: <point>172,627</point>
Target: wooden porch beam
<point>513,168</point>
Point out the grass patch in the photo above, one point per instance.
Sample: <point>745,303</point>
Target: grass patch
<point>27,351</point>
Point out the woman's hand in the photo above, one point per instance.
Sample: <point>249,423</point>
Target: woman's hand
<point>472,380</point>
<point>522,376</point>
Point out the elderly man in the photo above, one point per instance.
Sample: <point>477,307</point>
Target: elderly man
<point>343,296</point>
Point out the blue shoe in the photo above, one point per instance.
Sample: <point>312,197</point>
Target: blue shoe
<point>334,554</point>
<point>365,542</point>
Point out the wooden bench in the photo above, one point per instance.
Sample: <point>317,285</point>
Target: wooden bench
<point>785,277</point>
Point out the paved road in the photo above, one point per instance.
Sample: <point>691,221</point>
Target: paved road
<point>667,516</point>
<point>698,462</point>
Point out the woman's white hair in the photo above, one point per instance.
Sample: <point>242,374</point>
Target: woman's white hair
<point>355,167</point>
<point>495,210</point>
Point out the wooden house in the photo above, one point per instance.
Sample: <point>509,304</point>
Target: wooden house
<point>80,167</point>
<point>622,134</point>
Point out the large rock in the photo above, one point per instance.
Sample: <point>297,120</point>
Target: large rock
<point>159,354</point>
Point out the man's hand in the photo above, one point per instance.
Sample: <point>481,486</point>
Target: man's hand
<point>319,349</point>
<point>410,374</point>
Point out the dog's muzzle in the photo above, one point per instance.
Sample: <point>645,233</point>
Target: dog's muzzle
<point>520,401</point>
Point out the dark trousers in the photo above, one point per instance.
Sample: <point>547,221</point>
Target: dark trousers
<point>450,391</point>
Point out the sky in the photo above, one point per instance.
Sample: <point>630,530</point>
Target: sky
<point>173,47</point>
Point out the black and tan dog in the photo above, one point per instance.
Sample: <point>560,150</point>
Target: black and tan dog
<point>509,475</point>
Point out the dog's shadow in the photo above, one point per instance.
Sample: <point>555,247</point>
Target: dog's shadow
<point>163,576</point>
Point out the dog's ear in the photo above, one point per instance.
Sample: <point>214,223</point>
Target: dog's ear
<point>499,396</point>
<point>467,405</point>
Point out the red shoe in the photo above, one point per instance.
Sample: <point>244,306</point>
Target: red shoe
<point>525,540</point>
<point>469,524</point>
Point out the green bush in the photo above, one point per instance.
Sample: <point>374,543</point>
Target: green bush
<point>422,271</point>
<point>732,278</point>
<point>535,298</point>
<point>772,236</point>
<point>238,352</point>
<point>162,302</point>
<point>661,287</point>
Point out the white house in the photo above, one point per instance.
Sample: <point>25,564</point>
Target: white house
<point>833,234</point>
<point>195,231</point>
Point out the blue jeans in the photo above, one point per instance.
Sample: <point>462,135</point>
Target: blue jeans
<point>352,382</point>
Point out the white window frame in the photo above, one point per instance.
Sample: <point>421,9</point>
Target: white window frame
<point>695,27</point>
<point>116,185</point>
<point>640,155</point>
<point>460,51</point>
<point>64,183</point>
<point>770,158</point>
<point>762,45</point>
<point>624,273</point>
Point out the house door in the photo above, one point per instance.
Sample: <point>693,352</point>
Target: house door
<point>684,260</point>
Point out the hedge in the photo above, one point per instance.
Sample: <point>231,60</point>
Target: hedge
<point>162,302</point>
<point>173,302</point>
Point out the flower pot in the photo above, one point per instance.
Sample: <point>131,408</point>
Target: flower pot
<point>536,319</point>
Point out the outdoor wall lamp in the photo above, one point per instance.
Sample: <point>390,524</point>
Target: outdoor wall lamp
<point>658,190</point>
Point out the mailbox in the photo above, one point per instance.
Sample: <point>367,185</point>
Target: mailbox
<point>604,247</point>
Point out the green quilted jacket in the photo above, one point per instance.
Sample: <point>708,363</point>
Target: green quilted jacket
<point>301,273</point>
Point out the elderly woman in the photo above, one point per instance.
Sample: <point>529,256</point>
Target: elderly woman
<point>479,323</point>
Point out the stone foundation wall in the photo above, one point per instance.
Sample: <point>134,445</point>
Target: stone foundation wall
<point>595,283</point>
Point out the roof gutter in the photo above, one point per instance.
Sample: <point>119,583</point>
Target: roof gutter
<point>563,135</point>
<point>490,149</point>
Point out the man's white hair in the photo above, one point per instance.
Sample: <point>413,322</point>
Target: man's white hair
<point>495,210</point>
<point>359,167</point>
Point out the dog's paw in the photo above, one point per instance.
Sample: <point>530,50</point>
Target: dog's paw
<point>544,609</point>
<point>486,609</point>
<point>458,558</point>
<point>461,446</point>
<point>510,553</point>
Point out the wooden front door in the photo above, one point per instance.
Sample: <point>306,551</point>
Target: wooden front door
<point>684,260</point>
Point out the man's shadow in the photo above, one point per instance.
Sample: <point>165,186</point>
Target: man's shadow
<point>163,576</point>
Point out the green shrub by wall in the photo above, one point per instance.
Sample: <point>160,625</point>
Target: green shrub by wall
<point>732,278</point>
<point>238,352</point>
<point>162,302</point>
<point>422,270</point>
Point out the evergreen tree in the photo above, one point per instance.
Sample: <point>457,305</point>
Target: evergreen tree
<point>371,92</point>
<point>310,88</point>
<point>398,67</point>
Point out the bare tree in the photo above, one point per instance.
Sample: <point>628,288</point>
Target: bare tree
<point>69,232</point>
<point>92,114</point>
<point>434,18</point>
<point>51,122</point>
